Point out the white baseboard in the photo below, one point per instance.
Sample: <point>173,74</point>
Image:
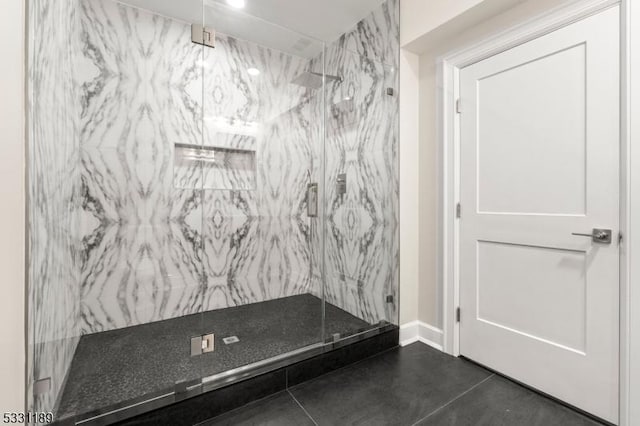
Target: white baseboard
<point>418,331</point>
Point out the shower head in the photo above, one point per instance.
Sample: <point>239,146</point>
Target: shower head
<point>313,80</point>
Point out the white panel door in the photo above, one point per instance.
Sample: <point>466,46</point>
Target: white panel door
<point>539,161</point>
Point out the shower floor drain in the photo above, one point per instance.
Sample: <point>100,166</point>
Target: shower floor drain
<point>230,340</point>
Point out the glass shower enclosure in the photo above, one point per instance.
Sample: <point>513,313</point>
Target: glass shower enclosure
<point>210,194</point>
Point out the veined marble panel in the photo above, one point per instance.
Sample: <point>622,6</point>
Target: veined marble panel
<point>54,281</point>
<point>142,251</point>
<point>377,36</point>
<point>150,249</point>
<point>256,243</point>
<point>158,240</point>
<point>141,264</point>
<point>361,254</point>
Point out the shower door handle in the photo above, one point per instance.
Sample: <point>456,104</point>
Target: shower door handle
<point>341,185</point>
<point>312,200</point>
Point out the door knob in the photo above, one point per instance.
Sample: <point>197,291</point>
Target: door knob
<point>601,236</point>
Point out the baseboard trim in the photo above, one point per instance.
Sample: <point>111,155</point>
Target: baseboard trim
<point>418,331</point>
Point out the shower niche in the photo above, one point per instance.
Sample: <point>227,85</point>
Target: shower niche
<point>169,199</point>
<point>212,167</point>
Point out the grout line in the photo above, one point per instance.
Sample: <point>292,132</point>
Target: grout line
<point>303,409</point>
<point>240,408</point>
<point>344,367</point>
<point>453,400</point>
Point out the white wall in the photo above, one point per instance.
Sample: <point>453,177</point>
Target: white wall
<point>473,22</point>
<point>409,188</point>
<point>12,213</point>
<point>419,17</point>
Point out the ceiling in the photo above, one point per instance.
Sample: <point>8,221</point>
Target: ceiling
<point>294,26</point>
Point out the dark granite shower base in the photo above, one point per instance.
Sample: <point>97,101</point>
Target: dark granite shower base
<point>118,366</point>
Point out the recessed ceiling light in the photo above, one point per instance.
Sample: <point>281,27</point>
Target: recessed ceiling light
<point>253,71</point>
<point>236,3</point>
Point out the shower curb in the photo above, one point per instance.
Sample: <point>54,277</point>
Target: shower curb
<point>214,403</point>
<point>205,401</point>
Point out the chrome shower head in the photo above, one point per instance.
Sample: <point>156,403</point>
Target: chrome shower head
<point>313,80</point>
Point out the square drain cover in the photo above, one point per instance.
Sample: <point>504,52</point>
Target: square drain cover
<point>230,340</point>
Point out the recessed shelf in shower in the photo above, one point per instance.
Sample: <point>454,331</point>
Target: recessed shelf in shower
<point>213,167</point>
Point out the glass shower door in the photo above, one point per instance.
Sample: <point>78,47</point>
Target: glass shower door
<point>115,270</point>
<point>263,125</point>
<point>361,205</point>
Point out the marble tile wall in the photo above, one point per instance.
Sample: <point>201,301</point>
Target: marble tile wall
<point>152,251</point>
<point>53,177</point>
<point>377,36</point>
<point>362,240</point>
<point>257,242</point>
<point>142,241</point>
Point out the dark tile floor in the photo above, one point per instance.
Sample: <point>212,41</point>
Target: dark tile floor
<point>414,385</point>
<point>118,366</point>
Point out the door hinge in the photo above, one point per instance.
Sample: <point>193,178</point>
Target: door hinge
<point>620,238</point>
<point>458,314</point>
<point>458,106</point>
<point>458,211</point>
<point>203,35</point>
<point>202,344</point>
